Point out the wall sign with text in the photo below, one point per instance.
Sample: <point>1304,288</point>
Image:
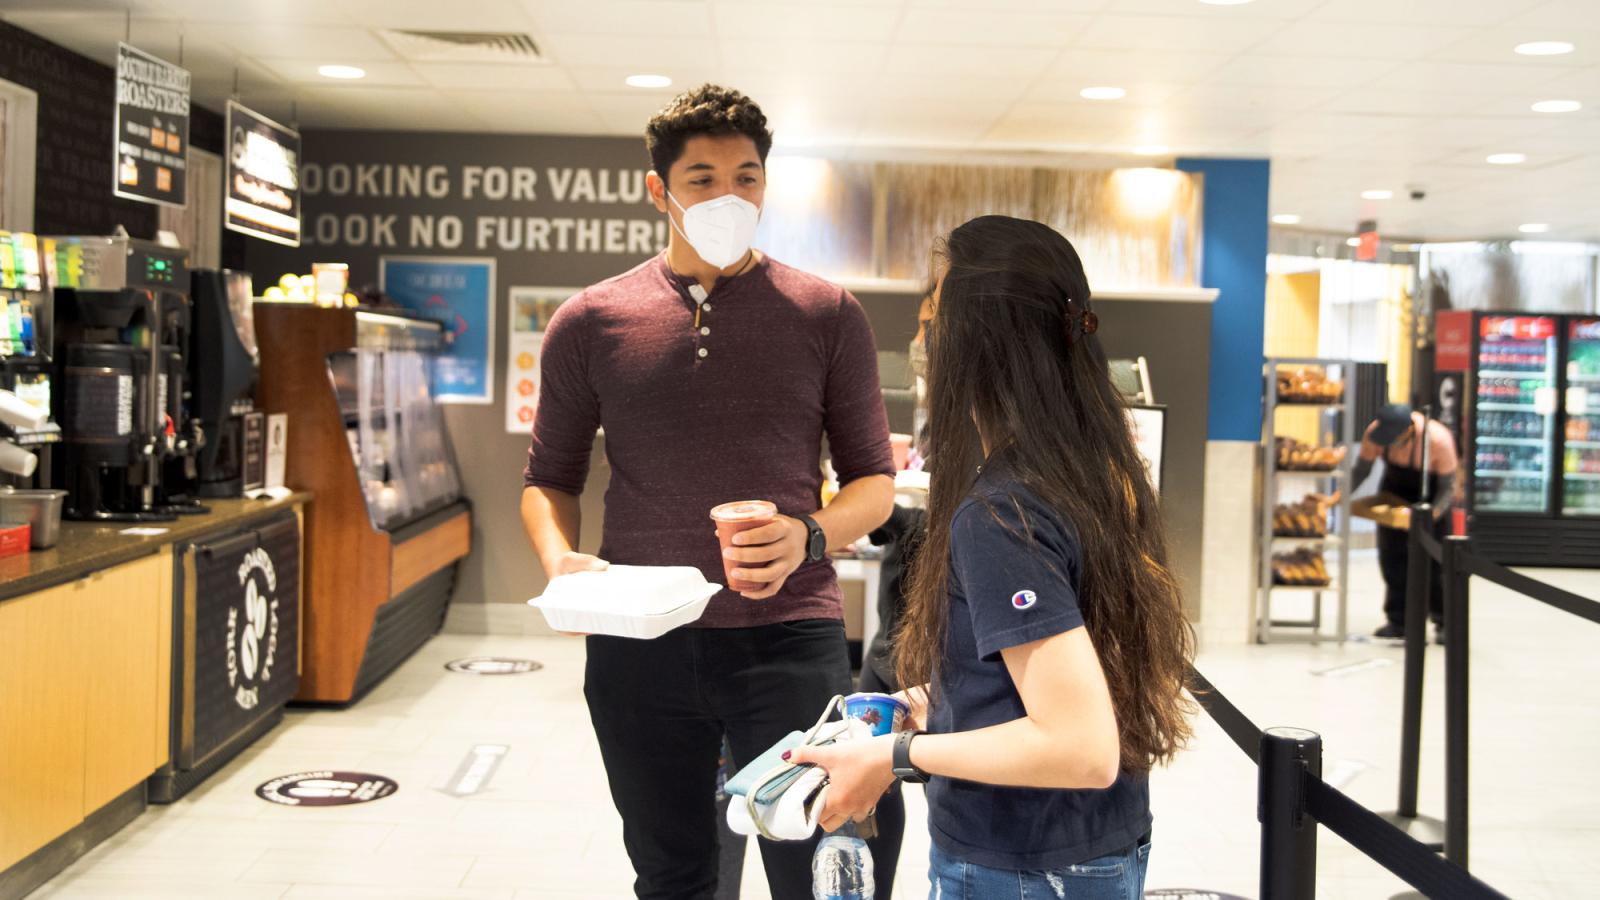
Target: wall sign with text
<point>458,292</point>
<point>152,129</point>
<point>263,180</point>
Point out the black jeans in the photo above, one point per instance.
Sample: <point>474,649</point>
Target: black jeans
<point>891,813</point>
<point>660,709</point>
<point>1394,560</point>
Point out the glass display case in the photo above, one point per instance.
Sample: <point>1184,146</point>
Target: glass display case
<point>1581,461</point>
<point>396,431</point>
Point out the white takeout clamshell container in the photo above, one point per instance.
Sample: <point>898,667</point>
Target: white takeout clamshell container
<point>641,602</point>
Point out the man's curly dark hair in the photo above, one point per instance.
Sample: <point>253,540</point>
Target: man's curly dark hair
<point>707,110</point>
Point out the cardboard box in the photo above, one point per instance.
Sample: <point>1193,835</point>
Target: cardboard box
<point>1385,509</point>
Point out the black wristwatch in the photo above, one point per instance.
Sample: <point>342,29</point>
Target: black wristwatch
<point>904,769</point>
<point>816,540</point>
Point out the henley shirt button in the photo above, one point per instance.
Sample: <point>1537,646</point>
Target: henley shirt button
<point>704,353</point>
<point>705,331</point>
<point>706,307</point>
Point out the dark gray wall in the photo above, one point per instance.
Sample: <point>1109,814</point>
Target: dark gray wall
<point>502,568</point>
<point>1175,337</point>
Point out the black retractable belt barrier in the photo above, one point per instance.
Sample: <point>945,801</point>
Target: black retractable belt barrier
<point>1392,848</point>
<point>1419,584</point>
<point>1292,799</point>
<point>1455,577</point>
<point>1548,594</point>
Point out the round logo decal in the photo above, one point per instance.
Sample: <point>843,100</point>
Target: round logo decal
<point>253,642</point>
<point>326,789</point>
<point>492,665</point>
<point>1024,599</point>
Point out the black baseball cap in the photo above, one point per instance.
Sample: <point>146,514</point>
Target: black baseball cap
<point>1393,420</point>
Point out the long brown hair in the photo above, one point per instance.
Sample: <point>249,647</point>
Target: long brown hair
<point>1012,356</point>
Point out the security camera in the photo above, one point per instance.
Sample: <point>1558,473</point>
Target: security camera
<point>1419,193</point>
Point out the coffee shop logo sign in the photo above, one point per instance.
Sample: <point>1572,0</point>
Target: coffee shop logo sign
<point>252,650</point>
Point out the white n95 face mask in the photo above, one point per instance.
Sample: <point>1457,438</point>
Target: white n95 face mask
<point>720,230</point>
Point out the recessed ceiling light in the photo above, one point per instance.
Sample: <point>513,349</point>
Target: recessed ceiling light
<point>1151,150</point>
<point>1557,106</point>
<point>1103,93</point>
<point>1377,195</point>
<point>1533,228</point>
<point>1544,48</point>
<point>346,72</point>
<point>1352,242</point>
<point>649,81</point>
<point>1506,159</point>
<point>1286,219</point>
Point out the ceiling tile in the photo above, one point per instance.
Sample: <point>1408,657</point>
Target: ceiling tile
<point>380,74</point>
<point>999,28</point>
<point>280,41</point>
<point>1582,15</point>
<point>1275,9</point>
<point>380,107</point>
<point>1278,98</point>
<point>1182,33</point>
<point>1368,40</point>
<point>1116,67</point>
<point>1446,77</point>
<point>479,15</point>
<point>1380,99</point>
<point>803,58</point>
<point>621,17</point>
<point>1302,71</point>
<point>980,6</point>
<point>753,22</point>
<point>647,53</point>
<point>1497,45</point>
<point>252,12</point>
<point>939,85</point>
<point>1422,12</point>
<point>624,113</point>
<point>1062,125</point>
<point>504,76</point>
<point>1024,63</point>
<point>612,79</point>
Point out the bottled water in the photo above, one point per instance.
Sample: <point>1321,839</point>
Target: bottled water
<point>841,869</point>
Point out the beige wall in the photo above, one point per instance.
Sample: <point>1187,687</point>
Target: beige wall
<point>1294,306</point>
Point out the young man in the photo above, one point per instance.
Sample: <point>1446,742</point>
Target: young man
<point>716,372</point>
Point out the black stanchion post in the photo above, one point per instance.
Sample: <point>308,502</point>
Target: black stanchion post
<point>1419,578</point>
<point>1288,832</point>
<point>1455,585</point>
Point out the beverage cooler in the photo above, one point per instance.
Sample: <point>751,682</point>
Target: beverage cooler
<point>1529,432</point>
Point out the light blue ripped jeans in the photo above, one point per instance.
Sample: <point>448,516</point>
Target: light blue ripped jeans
<point>1116,877</point>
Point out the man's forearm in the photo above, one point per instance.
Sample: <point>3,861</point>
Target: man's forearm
<point>553,521</point>
<point>861,506</point>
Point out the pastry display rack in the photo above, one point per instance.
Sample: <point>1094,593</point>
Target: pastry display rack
<point>1305,519</point>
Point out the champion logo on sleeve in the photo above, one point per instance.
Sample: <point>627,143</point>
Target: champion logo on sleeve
<point>1024,600</point>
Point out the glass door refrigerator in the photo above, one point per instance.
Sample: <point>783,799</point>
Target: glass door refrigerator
<point>1580,459</point>
<point>1531,432</point>
<point>1514,389</point>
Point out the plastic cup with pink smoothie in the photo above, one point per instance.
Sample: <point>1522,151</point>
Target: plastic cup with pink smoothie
<point>732,518</point>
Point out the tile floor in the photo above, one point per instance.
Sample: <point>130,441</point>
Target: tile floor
<point>545,828</point>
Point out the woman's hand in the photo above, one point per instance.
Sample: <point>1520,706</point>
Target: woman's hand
<point>859,773</point>
<point>917,699</point>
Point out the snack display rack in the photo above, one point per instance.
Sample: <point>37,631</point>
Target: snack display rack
<point>1305,543</point>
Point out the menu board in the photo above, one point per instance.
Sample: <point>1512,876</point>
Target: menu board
<point>263,183</point>
<point>531,311</point>
<point>152,129</point>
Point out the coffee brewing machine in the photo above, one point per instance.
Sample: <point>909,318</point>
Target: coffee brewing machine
<point>123,322</point>
<point>223,366</point>
<point>25,368</point>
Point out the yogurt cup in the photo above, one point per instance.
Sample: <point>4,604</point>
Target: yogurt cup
<point>884,713</point>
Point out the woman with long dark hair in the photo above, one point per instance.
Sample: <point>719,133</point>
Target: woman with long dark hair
<point>1042,617</point>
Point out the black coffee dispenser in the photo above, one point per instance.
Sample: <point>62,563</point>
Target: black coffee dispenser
<point>222,366</point>
<point>122,317</point>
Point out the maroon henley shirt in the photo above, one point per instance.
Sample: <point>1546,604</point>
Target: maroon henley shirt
<point>732,409</point>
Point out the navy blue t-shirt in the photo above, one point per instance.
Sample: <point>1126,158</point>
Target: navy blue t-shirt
<point>1014,571</point>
